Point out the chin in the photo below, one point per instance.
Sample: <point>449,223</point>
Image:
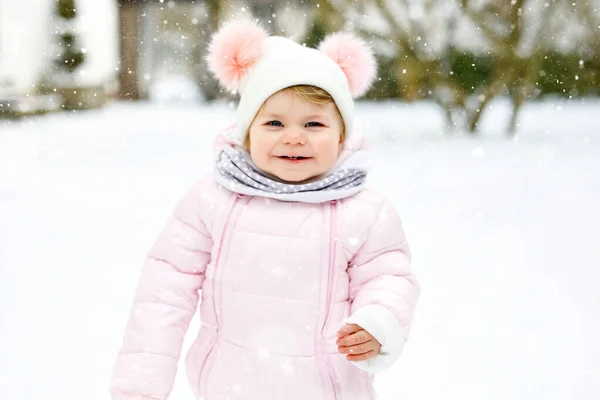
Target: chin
<point>290,179</point>
<point>295,178</point>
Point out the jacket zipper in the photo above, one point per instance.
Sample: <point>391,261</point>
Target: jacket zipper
<point>330,275</point>
<point>204,368</point>
<point>207,361</point>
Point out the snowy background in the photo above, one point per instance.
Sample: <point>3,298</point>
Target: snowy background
<point>505,236</point>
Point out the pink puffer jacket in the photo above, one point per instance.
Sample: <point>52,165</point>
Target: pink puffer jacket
<point>278,280</point>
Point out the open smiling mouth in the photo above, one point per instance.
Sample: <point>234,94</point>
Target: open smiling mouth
<point>293,158</point>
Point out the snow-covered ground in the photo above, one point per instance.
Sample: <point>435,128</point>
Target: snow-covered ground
<point>505,236</point>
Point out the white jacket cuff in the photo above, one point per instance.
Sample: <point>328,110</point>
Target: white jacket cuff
<point>383,325</point>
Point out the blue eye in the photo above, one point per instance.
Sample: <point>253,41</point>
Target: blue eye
<point>313,124</point>
<point>274,123</point>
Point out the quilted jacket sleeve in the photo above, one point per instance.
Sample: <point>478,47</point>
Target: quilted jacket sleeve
<point>164,304</point>
<point>383,289</point>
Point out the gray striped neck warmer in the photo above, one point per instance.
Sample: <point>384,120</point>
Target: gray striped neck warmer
<point>235,171</point>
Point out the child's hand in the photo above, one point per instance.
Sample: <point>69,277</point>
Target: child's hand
<point>357,343</point>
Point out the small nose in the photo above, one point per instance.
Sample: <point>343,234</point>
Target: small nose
<point>293,137</point>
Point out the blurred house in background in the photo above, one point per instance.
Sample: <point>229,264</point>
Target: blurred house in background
<point>131,49</point>
<point>30,36</point>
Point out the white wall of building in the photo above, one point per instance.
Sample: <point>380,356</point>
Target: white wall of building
<point>27,37</point>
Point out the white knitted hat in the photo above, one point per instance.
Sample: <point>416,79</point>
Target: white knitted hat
<point>244,58</point>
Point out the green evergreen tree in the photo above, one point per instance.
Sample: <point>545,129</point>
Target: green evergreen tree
<point>71,56</point>
<point>66,9</point>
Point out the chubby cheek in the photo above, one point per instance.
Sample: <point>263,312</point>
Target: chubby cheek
<point>260,152</point>
<point>328,154</point>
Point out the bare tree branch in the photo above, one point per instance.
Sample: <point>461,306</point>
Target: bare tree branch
<point>477,18</point>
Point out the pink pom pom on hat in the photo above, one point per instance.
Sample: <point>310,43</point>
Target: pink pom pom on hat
<point>234,49</point>
<point>244,58</point>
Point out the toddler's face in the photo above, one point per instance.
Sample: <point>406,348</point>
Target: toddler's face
<point>294,139</point>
